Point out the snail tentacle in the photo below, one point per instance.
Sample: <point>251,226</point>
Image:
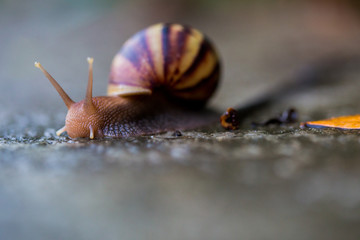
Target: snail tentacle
<point>65,97</point>
<point>61,131</point>
<point>92,134</point>
<point>88,102</point>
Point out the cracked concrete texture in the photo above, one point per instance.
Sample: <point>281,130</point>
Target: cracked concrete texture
<point>266,183</point>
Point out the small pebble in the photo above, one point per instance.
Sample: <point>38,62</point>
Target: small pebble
<point>177,133</point>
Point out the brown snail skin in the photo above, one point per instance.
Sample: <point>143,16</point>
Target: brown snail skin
<point>159,81</point>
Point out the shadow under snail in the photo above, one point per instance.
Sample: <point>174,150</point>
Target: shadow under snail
<point>160,80</point>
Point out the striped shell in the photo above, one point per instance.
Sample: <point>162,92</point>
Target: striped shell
<point>176,59</point>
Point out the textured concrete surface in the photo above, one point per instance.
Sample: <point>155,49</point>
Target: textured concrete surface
<point>278,182</point>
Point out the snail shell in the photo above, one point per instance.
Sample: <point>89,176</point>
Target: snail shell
<point>177,60</point>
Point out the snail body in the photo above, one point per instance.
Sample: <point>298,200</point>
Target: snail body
<point>159,81</point>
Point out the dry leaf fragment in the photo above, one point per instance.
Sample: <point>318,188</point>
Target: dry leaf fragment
<point>230,120</point>
<point>343,122</point>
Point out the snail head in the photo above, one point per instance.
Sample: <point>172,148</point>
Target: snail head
<point>82,118</point>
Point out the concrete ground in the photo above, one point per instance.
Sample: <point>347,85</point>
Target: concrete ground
<point>278,182</point>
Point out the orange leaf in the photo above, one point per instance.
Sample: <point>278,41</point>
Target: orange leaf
<point>343,122</point>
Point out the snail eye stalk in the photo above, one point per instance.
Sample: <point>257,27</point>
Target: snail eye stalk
<point>88,97</point>
<point>65,97</point>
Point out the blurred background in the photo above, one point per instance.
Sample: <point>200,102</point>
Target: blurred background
<point>279,184</point>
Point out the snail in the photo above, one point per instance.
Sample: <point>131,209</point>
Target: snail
<point>160,80</point>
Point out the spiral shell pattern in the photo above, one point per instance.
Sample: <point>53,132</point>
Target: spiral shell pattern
<point>176,59</point>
